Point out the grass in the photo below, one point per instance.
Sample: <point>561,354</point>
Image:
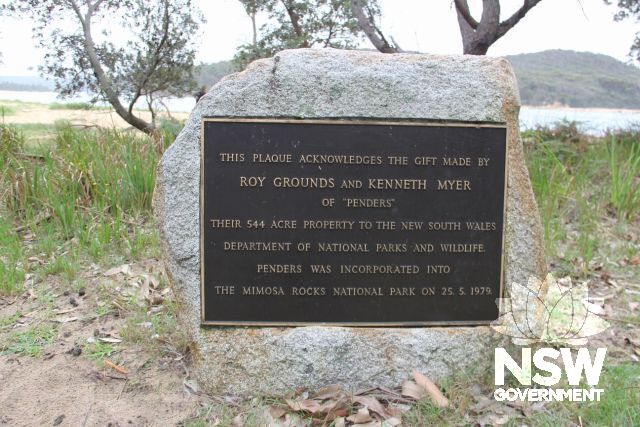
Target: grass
<point>71,106</point>
<point>6,110</point>
<point>619,404</point>
<point>87,197</point>
<point>99,351</point>
<point>579,181</point>
<point>29,342</point>
<point>144,330</point>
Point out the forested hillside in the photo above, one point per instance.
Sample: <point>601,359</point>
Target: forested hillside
<point>576,79</point>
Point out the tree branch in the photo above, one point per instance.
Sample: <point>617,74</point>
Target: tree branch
<point>103,80</point>
<point>368,26</point>
<point>463,8</point>
<point>506,25</point>
<point>295,22</point>
<point>156,56</point>
<point>77,11</point>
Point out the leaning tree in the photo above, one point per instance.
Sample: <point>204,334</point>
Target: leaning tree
<point>155,61</point>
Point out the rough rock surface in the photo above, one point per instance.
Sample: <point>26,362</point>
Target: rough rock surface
<point>336,84</point>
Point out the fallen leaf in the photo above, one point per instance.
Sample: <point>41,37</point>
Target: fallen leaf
<point>339,422</point>
<point>237,421</point>
<point>293,420</point>
<point>276,411</point>
<point>371,424</point>
<point>394,421</point>
<point>362,416</point>
<point>110,340</point>
<point>432,390</point>
<point>413,390</point>
<point>65,319</point>
<point>115,367</point>
<point>635,260</point>
<point>307,405</point>
<point>493,419</point>
<point>191,386</point>
<point>373,404</point>
<point>116,270</point>
<point>329,392</point>
<point>483,402</point>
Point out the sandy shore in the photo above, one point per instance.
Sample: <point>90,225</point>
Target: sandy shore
<point>41,114</point>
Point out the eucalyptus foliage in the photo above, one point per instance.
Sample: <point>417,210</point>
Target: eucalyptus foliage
<point>153,58</point>
<point>291,24</point>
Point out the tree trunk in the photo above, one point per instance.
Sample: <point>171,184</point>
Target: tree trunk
<point>295,23</point>
<point>477,37</point>
<point>370,30</point>
<point>103,80</point>
<point>255,31</point>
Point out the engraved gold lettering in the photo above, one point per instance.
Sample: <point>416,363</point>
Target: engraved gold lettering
<point>368,203</point>
<point>225,290</point>
<point>308,291</point>
<point>320,269</point>
<point>379,269</point>
<point>231,157</point>
<point>402,292</point>
<point>342,247</point>
<point>328,225</point>
<point>284,224</point>
<point>425,161</point>
<point>462,247</point>
<point>271,158</point>
<point>262,290</point>
<point>454,184</point>
<point>252,181</point>
<point>358,292</point>
<point>412,225</point>
<point>279,268</point>
<point>397,184</point>
<point>481,226</point>
<point>444,226</point>
<point>225,223</point>
<point>437,269</point>
<point>303,182</point>
<point>257,246</point>
<point>428,291</point>
<point>391,247</point>
<point>456,161</point>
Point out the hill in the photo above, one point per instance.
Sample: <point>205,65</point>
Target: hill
<point>25,83</point>
<point>565,77</point>
<point>576,79</point>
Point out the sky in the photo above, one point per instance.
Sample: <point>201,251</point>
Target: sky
<point>428,26</point>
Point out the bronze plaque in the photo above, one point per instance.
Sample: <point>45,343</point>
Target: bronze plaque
<point>362,223</point>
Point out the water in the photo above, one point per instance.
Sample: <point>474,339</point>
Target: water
<point>592,121</point>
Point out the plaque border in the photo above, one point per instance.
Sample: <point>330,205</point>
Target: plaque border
<point>350,121</point>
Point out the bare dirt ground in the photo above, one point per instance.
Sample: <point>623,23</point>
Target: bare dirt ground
<point>83,372</point>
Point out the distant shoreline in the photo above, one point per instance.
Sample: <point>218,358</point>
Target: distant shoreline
<point>537,107</point>
<point>584,109</point>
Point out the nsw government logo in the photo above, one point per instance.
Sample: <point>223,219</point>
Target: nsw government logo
<point>557,318</point>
